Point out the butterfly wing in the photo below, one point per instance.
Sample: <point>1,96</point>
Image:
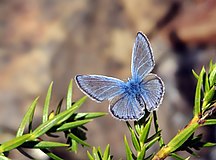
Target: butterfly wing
<point>99,88</point>
<point>142,58</point>
<point>126,107</point>
<point>152,91</point>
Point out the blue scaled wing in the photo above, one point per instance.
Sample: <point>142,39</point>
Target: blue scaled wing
<point>142,58</point>
<point>99,88</point>
<point>152,91</point>
<point>126,107</point>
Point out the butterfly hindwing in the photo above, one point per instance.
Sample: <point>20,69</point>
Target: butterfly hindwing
<point>142,57</point>
<point>99,88</point>
<point>126,107</point>
<point>153,91</point>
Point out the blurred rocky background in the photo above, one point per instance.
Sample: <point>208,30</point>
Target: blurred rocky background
<point>51,40</point>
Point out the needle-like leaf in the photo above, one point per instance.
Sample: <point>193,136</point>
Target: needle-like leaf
<point>70,125</point>
<point>51,155</point>
<point>77,139</point>
<point>13,143</point>
<point>27,118</point>
<point>128,150</point>
<point>69,95</point>
<point>47,103</point>
<point>43,144</point>
<point>90,115</point>
<point>146,130</point>
<point>180,138</point>
<point>195,74</point>
<point>197,106</point>
<point>210,122</point>
<point>106,154</point>
<point>208,97</point>
<point>212,77</point>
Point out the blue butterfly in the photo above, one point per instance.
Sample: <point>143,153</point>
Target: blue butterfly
<point>128,100</point>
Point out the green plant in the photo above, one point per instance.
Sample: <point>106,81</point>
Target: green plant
<point>68,121</point>
<point>72,124</point>
<point>204,108</point>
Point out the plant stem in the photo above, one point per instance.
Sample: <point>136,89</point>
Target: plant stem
<point>178,140</point>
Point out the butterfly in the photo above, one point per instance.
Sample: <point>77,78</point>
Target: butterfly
<point>128,100</point>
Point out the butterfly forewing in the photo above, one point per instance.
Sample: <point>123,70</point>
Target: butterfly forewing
<point>142,58</point>
<point>99,88</point>
<point>153,91</point>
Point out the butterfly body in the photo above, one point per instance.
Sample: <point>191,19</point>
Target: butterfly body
<point>133,86</point>
<point>128,100</point>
